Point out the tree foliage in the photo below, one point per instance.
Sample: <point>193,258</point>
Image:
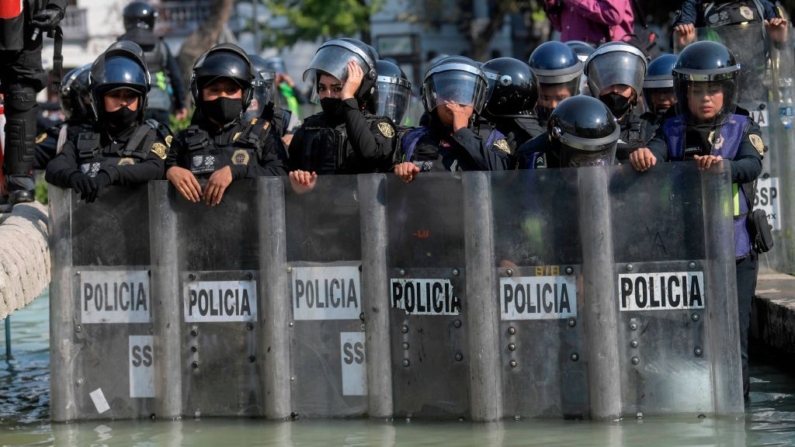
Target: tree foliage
<point>309,20</point>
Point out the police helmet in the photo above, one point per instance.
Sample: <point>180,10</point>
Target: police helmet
<point>263,86</point>
<point>332,58</point>
<point>585,132</point>
<point>555,62</point>
<point>391,98</point>
<point>225,60</point>
<point>658,77</point>
<point>456,79</point>
<point>74,95</point>
<point>615,63</point>
<point>581,49</point>
<point>712,65</point>
<point>122,65</point>
<point>516,89</point>
<point>139,15</point>
<point>275,64</point>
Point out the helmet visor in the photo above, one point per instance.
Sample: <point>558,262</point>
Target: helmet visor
<point>122,72</point>
<point>457,87</point>
<point>333,60</point>
<point>705,102</point>
<point>615,67</point>
<point>392,99</point>
<point>575,158</point>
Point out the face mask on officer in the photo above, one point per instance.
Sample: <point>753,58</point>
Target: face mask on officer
<point>329,90</point>
<point>618,98</point>
<point>121,107</point>
<point>222,101</point>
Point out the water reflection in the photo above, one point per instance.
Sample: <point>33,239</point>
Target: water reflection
<point>24,418</point>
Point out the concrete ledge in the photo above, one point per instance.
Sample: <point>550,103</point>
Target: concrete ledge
<point>24,256</point>
<point>773,312</point>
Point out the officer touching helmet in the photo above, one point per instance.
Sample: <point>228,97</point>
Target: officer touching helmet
<point>709,128</point>
<point>558,71</point>
<point>75,99</point>
<point>167,93</point>
<point>582,132</point>
<point>511,104</point>
<point>219,145</point>
<point>454,93</point>
<point>120,149</point>
<point>615,75</point>
<point>22,28</point>
<point>344,138</point>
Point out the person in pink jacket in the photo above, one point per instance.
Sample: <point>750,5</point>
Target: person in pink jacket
<point>592,21</point>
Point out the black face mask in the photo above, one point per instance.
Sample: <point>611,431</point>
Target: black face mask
<point>330,106</point>
<point>222,110</point>
<point>617,104</point>
<point>122,118</point>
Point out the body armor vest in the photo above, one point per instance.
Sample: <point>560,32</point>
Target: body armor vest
<point>92,157</point>
<point>205,156</point>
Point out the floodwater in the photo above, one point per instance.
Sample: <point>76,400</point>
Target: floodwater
<point>24,417</point>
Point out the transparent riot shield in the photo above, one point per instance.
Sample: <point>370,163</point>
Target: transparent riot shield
<point>540,293</point>
<point>329,365</point>
<point>208,268</point>
<point>102,348</point>
<point>678,333</point>
<point>775,187</point>
<point>426,269</point>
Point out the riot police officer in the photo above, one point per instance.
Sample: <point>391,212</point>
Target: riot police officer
<point>120,149</point>
<point>658,89</point>
<point>167,93</point>
<point>22,26</point>
<point>262,105</point>
<point>709,128</point>
<point>219,145</point>
<point>615,75</point>
<point>392,93</point>
<point>344,138</point>
<point>75,99</point>
<point>512,102</point>
<point>582,132</point>
<point>558,70</point>
<point>454,93</point>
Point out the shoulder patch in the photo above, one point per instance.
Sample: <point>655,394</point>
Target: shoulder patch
<point>160,150</point>
<point>502,145</point>
<point>237,135</point>
<point>386,129</point>
<point>240,157</point>
<point>757,142</point>
<point>126,161</point>
<point>40,139</point>
<point>168,140</point>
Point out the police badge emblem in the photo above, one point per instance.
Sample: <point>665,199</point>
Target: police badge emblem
<point>386,129</point>
<point>40,139</point>
<point>160,150</point>
<point>503,145</point>
<point>758,144</point>
<point>126,161</point>
<point>197,160</point>
<point>746,12</point>
<point>168,140</point>
<point>240,157</point>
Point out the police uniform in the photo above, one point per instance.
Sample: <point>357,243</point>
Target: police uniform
<point>349,142</point>
<point>439,149</point>
<point>251,149</point>
<point>50,141</point>
<point>136,155</point>
<point>518,131</point>
<point>739,141</point>
<point>636,132</point>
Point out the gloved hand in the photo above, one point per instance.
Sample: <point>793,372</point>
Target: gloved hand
<point>47,18</point>
<point>103,181</point>
<point>85,185</point>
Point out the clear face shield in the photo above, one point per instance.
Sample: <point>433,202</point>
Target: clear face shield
<point>333,61</point>
<point>454,86</point>
<point>580,152</point>
<point>392,98</point>
<point>706,102</point>
<point>615,67</point>
<point>263,91</point>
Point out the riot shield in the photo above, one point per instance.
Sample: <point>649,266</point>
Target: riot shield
<point>102,349</point>
<point>427,277</point>
<point>328,377</point>
<point>539,255</point>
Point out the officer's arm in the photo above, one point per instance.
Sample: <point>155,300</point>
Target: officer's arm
<point>60,168</point>
<point>686,14</point>
<point>658,148</point>
<point>370,145</point>
<point>46,149</point>
<point>176,78</point>
<point>151,168</point>
<point>60,4</point>
<point>747,164</point>
<point>294,151</point>
<point>529,153</point>
<point>483,158</point>
<point>175,152</point>
<point>273,161</point>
